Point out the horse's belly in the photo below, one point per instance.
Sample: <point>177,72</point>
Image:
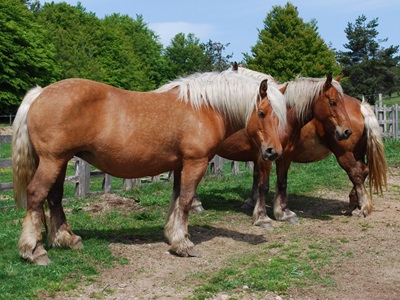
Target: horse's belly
<point>131,167</point>
<point>310,151</point>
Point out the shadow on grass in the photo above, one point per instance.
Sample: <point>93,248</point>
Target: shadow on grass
<point>304,206</point>
<point>199,234</point>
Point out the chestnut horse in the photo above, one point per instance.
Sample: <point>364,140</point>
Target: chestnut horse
<point>131,134</point>
<point>307,99</point>
<point>306,142</point>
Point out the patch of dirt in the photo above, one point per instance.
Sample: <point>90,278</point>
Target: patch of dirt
<point>373,271</point>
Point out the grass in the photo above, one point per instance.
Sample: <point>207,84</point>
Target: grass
<point>295,262</point>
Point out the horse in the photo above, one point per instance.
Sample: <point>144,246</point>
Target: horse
<point>131,134</point>
<point>315,141</point>
<point>308,100</point>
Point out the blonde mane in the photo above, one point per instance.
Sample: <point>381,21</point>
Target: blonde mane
<point>235,95</point>
<point>300,93</point>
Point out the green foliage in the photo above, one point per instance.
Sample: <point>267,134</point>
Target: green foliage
<point>288,47</point>
<point>186,55</point>
<point>371,69</point>
<point>26,56</point>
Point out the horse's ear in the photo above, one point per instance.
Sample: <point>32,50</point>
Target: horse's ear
<point>283,88</point>
<point>235,66</point>
<point>263,88</point>
<point>328,82</point>
<point>339,77</point>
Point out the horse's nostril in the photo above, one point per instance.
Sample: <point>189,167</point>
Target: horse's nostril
<point>347,132</point>
<point>270,151</point>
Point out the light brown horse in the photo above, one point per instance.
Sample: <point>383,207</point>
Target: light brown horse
<point>306,142</point>
<point>307,99</point>
<point>130,134</point>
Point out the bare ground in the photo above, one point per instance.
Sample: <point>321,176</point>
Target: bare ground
<point>373,272</point>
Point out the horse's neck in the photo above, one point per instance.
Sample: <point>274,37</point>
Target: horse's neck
<point>294,124</point>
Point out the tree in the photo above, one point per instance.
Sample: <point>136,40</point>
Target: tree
<point>75,34</point>
<point>26,57</point>
<point>288,47</point>
<point>370,69</point>
<point>217,61</point>
<point>185,55</point>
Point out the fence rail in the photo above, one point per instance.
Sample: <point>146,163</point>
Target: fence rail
<point>388,119</point>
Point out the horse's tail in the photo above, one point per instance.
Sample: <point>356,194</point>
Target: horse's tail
<point>375,150</point>
<point>24,158</point>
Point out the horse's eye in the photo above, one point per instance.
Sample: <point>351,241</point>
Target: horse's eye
<point>261,114</point>
<point>332,103</point>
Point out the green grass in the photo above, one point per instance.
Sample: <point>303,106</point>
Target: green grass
<point>275,267</point>
<point>389,101</point>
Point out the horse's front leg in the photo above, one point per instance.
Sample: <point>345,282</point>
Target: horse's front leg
<point>59,233</point>
<point>360,201</point>
<point>281,210</point>
<point>176,229</point>
<point>260,217</point>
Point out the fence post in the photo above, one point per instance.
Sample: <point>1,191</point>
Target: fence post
<point>107,183</point>
<point>82,170</point>
<point>380,100</point>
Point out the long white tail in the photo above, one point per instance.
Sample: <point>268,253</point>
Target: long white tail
<point>376,159</point>
<point>23,154</point>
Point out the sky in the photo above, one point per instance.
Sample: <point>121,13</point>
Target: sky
<point>238,22</point>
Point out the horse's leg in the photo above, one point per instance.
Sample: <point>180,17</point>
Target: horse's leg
<point>176,229</point>
<point>59,232</point>
<point>281,210</point>
<point>260,217</point>
<point>30,242</point>
<point>360,201</point>
<point>254,196</point>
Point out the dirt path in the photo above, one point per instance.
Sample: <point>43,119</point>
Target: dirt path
<point>373,271</point>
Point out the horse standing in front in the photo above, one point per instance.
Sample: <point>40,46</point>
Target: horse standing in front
<point>313,142</point>
<point>131,134</point>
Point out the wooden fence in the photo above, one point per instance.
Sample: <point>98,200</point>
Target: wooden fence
<point>388,119</point>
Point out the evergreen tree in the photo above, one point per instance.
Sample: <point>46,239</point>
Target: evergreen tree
<point>371,69</point>
<point>288,47</point>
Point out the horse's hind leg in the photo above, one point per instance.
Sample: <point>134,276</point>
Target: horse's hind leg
<point>59,233</point>
<point>30,242</point>
<point>360,201</point>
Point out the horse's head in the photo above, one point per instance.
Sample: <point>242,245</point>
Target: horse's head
<point>263,126</point>
<point>330,111</point>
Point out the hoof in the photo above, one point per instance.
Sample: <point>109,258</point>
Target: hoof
<point>197,209</point>
<point>77,246</point>
<point>293,220</point>
<point>264,223</point>
<point>42,261</point>
<point>188,253</point>
<point>358,213</point>
<point>37,257</point>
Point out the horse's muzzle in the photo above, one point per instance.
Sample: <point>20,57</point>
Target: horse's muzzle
<point>343,135</point>
<point>270,154</point>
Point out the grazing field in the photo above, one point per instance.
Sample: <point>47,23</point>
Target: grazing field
<point>329,255</point>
